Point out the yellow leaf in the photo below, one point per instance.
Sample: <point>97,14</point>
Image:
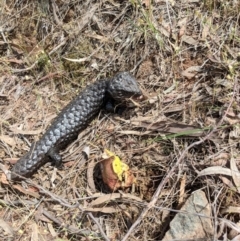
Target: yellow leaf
<point>119,167</point>
<point>115,173</point>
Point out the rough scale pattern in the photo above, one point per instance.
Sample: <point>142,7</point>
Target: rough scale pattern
<point>72,119</point>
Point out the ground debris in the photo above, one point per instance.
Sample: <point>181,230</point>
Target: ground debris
<point>185,56</point>
<point>193,222</point>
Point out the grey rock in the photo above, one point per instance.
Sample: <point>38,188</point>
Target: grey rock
<point>192,222</point>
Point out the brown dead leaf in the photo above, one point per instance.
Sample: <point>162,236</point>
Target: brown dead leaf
<point>219,162</point>
<point>232,120</point>
<point>136,133</point>
<point>182,24</point>
<point>182,189</point>
<point>35,231</point>
<point>17,46</point>
<point>190,1</point>
<point>29,191</point>
<point>80,60</point>
<point>234,133</point>
<point>113,196</point>
<point>172,2</point>
<point>234,234</point>
<point>6,175</point>
<point>191,72</point>
<point>107,209</point>
<point>4,179</point>
<point>129,179</point>
<point>7,139</point>
<point>90,179</point>
<point>109,176</point>
<point>11,160</point>
<point>220,159</point>
<point>6,227</point>
<point>206,28</point>
<point>52,230</point>
<point>164,30</point>
<point>228,182</point>
<point>115,173</point>
<point>214,58</point>
<point>168,127</point>
<point>16,61</point>
<point>39,216</point>
<point>53,177</point>
<point>231,209</point>
<point>215,170</point>
<point>25,132</point>
<point>189,40</point>
<point>69,164</point>
<point>235,174</point>
<point>236,238</point>
<point>99,37</point>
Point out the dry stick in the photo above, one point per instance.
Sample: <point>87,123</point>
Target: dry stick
<point>57,20</point>
<point>65,203</point>
<point>84,21</point>
<point>26,219</point>
<point>99,226</point>
<point>71,228</point>
<point>171,172</point>
<point>56,198</point>
<point>48,76</point>
<point>26,69</point>
<point>216,221</point>
<point>169,16</point>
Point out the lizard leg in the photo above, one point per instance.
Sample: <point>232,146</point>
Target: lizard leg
<point>112,107</point>
<point>55,157</point>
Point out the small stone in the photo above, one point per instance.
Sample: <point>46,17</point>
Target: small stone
<point>189,226</point>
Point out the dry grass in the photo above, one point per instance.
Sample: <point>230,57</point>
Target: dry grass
<point>185,55</point>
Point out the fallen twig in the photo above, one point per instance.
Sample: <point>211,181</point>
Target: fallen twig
<point>171,172</point>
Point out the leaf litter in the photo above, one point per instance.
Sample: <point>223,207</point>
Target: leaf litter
<point>185,56</point>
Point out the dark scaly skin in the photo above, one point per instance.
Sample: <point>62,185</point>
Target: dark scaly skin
<point>72,119</point>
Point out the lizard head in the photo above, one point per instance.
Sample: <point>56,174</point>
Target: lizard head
<point>123,86</point>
